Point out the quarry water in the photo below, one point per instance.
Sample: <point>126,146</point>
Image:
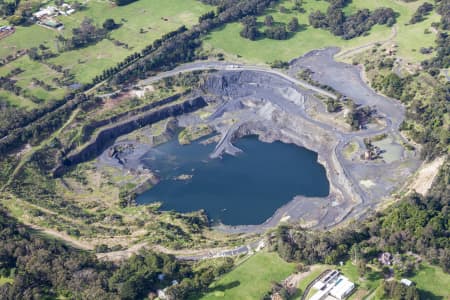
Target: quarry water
<point>245,189</point>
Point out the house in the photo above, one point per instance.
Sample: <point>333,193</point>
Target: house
<point>49,11</point>
<point>6,31</point>
<point>406,282</point>
<point>49,22</point>
<point>385,259</point>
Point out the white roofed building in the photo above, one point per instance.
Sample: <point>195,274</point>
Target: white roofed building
<point>342,289</point>
<point>406,282</point>
<point>333,286</point>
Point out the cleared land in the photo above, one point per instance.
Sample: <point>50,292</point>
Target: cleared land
<point>252,279</point>
<point>410,38</point>
<point>140,22</point>
<point>432,282</point>
<point>35,70</point>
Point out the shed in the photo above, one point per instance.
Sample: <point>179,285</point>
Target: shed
<point>406,282</point>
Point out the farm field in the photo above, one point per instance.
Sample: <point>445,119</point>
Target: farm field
<point>252,279</point>
<point>264,50</point>
<point>141,23</point>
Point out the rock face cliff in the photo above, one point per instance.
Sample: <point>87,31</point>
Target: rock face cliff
<point>107,135</point>
<point>91,127</point>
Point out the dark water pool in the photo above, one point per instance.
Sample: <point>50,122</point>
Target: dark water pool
<point>242,190</point>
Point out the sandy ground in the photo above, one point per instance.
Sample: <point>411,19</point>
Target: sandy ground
<point>426,175</point>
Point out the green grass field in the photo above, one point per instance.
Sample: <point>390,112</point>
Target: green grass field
<point>150,16</point>
<point>410,38</point>
<point>15,100</point>
<point>432,282</point>
<point>309,278</point>
<point>154,17</point>
<point>32,69</point>
<point>252,279</point>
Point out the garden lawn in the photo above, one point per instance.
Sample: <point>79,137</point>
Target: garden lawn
<point>252,279</point>
<point>25,38</point>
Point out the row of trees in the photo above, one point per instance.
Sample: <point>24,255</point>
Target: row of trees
<point>396,290</point>
<point>443,8</point>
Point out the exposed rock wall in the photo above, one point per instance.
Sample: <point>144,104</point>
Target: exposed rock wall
<point>91,127</point>
<point>106,136</point>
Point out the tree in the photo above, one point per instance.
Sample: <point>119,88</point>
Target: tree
<point>268,21</point>
<point>293,25</point>
<point>109,24</point>
<point>250,32</point>
<point>123,2</point>
<point>276,32</point>
<point>362,267</point>
<point>249,20</point>
<point>34,54</point>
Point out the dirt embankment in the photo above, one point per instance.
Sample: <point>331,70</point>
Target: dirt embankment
<point>426,175</point>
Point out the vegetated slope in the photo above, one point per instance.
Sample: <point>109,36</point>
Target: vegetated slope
<point>417,223</point>
<point>36,267</point>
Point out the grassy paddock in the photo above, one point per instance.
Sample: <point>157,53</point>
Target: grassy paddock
<point>252,279</point>
<point>432,282</point>
<point>32,69</point>
<point>141,23</point>
<point>410,38</point>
